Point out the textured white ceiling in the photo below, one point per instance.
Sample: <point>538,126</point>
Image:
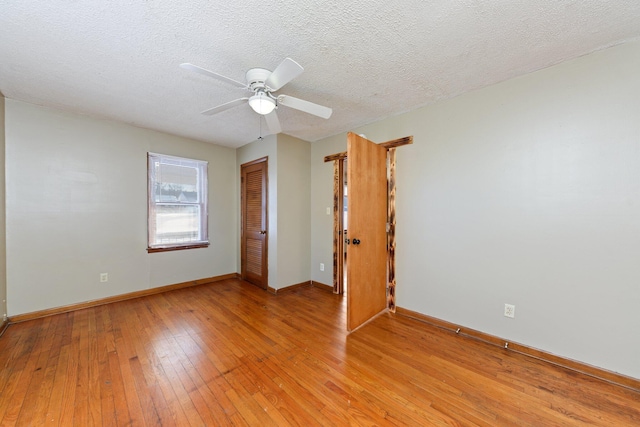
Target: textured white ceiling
<point>367,60</point>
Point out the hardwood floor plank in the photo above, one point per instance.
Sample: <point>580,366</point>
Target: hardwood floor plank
<point>41,410</point>
<point>250,415</point>
<point>81,413</point>
<point>388,404</point>
<point>270,388</point>
<point>155,408</point>
<point>30,376</point>
<point>121,405</point>
<point>271,410</point>
<point>56,399</point>
<point>126,352</point>
<point>207,372</point>
<point>103,381</point>
<point>94,358</point>
<point>149,411</point>
<point>310,406</point>
<point>448,396</point>
<point>173,385</point>
<point>231,354</point>
<point>165,398</point>
<point>67,376</point>
<point>41,385</point>
<point>438,387</point>
<point>205,400</point>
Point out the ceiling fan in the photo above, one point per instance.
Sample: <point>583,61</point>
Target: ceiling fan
<point>262,83</point>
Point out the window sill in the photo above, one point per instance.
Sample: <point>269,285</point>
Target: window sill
<point>177,248</point>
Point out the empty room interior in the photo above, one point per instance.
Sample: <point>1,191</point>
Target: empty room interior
<point>320,213</point>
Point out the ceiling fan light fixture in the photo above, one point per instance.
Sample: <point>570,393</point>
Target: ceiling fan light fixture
<point>261,103</point>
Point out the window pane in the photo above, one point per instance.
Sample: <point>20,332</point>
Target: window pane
<point>176,183</point>
<point>177,224</point>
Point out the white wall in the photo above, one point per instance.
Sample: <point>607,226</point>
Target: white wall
<point>321,223</point>
<point>526,192</point>
<point>76,206</point>
<point>294,214</point>
<point>3,264</point>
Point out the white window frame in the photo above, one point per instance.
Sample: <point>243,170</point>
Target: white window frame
<point>200,239</point>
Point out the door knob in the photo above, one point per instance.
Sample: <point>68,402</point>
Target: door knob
<point>263,232</point>
<point>356,241</point>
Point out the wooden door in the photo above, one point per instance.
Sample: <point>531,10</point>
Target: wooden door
<point>367,248</point>
<point>254,222</point>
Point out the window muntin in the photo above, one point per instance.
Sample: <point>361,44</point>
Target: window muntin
<point>177,216</point>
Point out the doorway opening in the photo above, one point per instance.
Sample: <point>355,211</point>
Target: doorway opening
<point>343,208</point>
<point>340,225</point>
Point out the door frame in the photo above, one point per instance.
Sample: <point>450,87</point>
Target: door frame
<point>265,216</point>
<point>338,238</point>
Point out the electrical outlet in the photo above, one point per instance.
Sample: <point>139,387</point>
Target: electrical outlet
<point>4,317</point>
<point>509,310</point>
<point>321,266</point>
<point>104,277</point>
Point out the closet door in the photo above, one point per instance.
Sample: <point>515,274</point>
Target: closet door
<point>254,223</point>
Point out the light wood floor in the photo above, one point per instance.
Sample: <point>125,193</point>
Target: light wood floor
<point>232,354</point>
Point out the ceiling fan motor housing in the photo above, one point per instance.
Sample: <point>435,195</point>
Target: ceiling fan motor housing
<point>256,78</point>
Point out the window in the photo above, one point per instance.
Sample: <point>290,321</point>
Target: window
<point>177,216</point>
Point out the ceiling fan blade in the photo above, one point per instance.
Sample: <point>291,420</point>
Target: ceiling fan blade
<point>204,72</point>
<point>224,106</point>
<point>273,123</point>
<point>283,74</point>
<point>306,106</point>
